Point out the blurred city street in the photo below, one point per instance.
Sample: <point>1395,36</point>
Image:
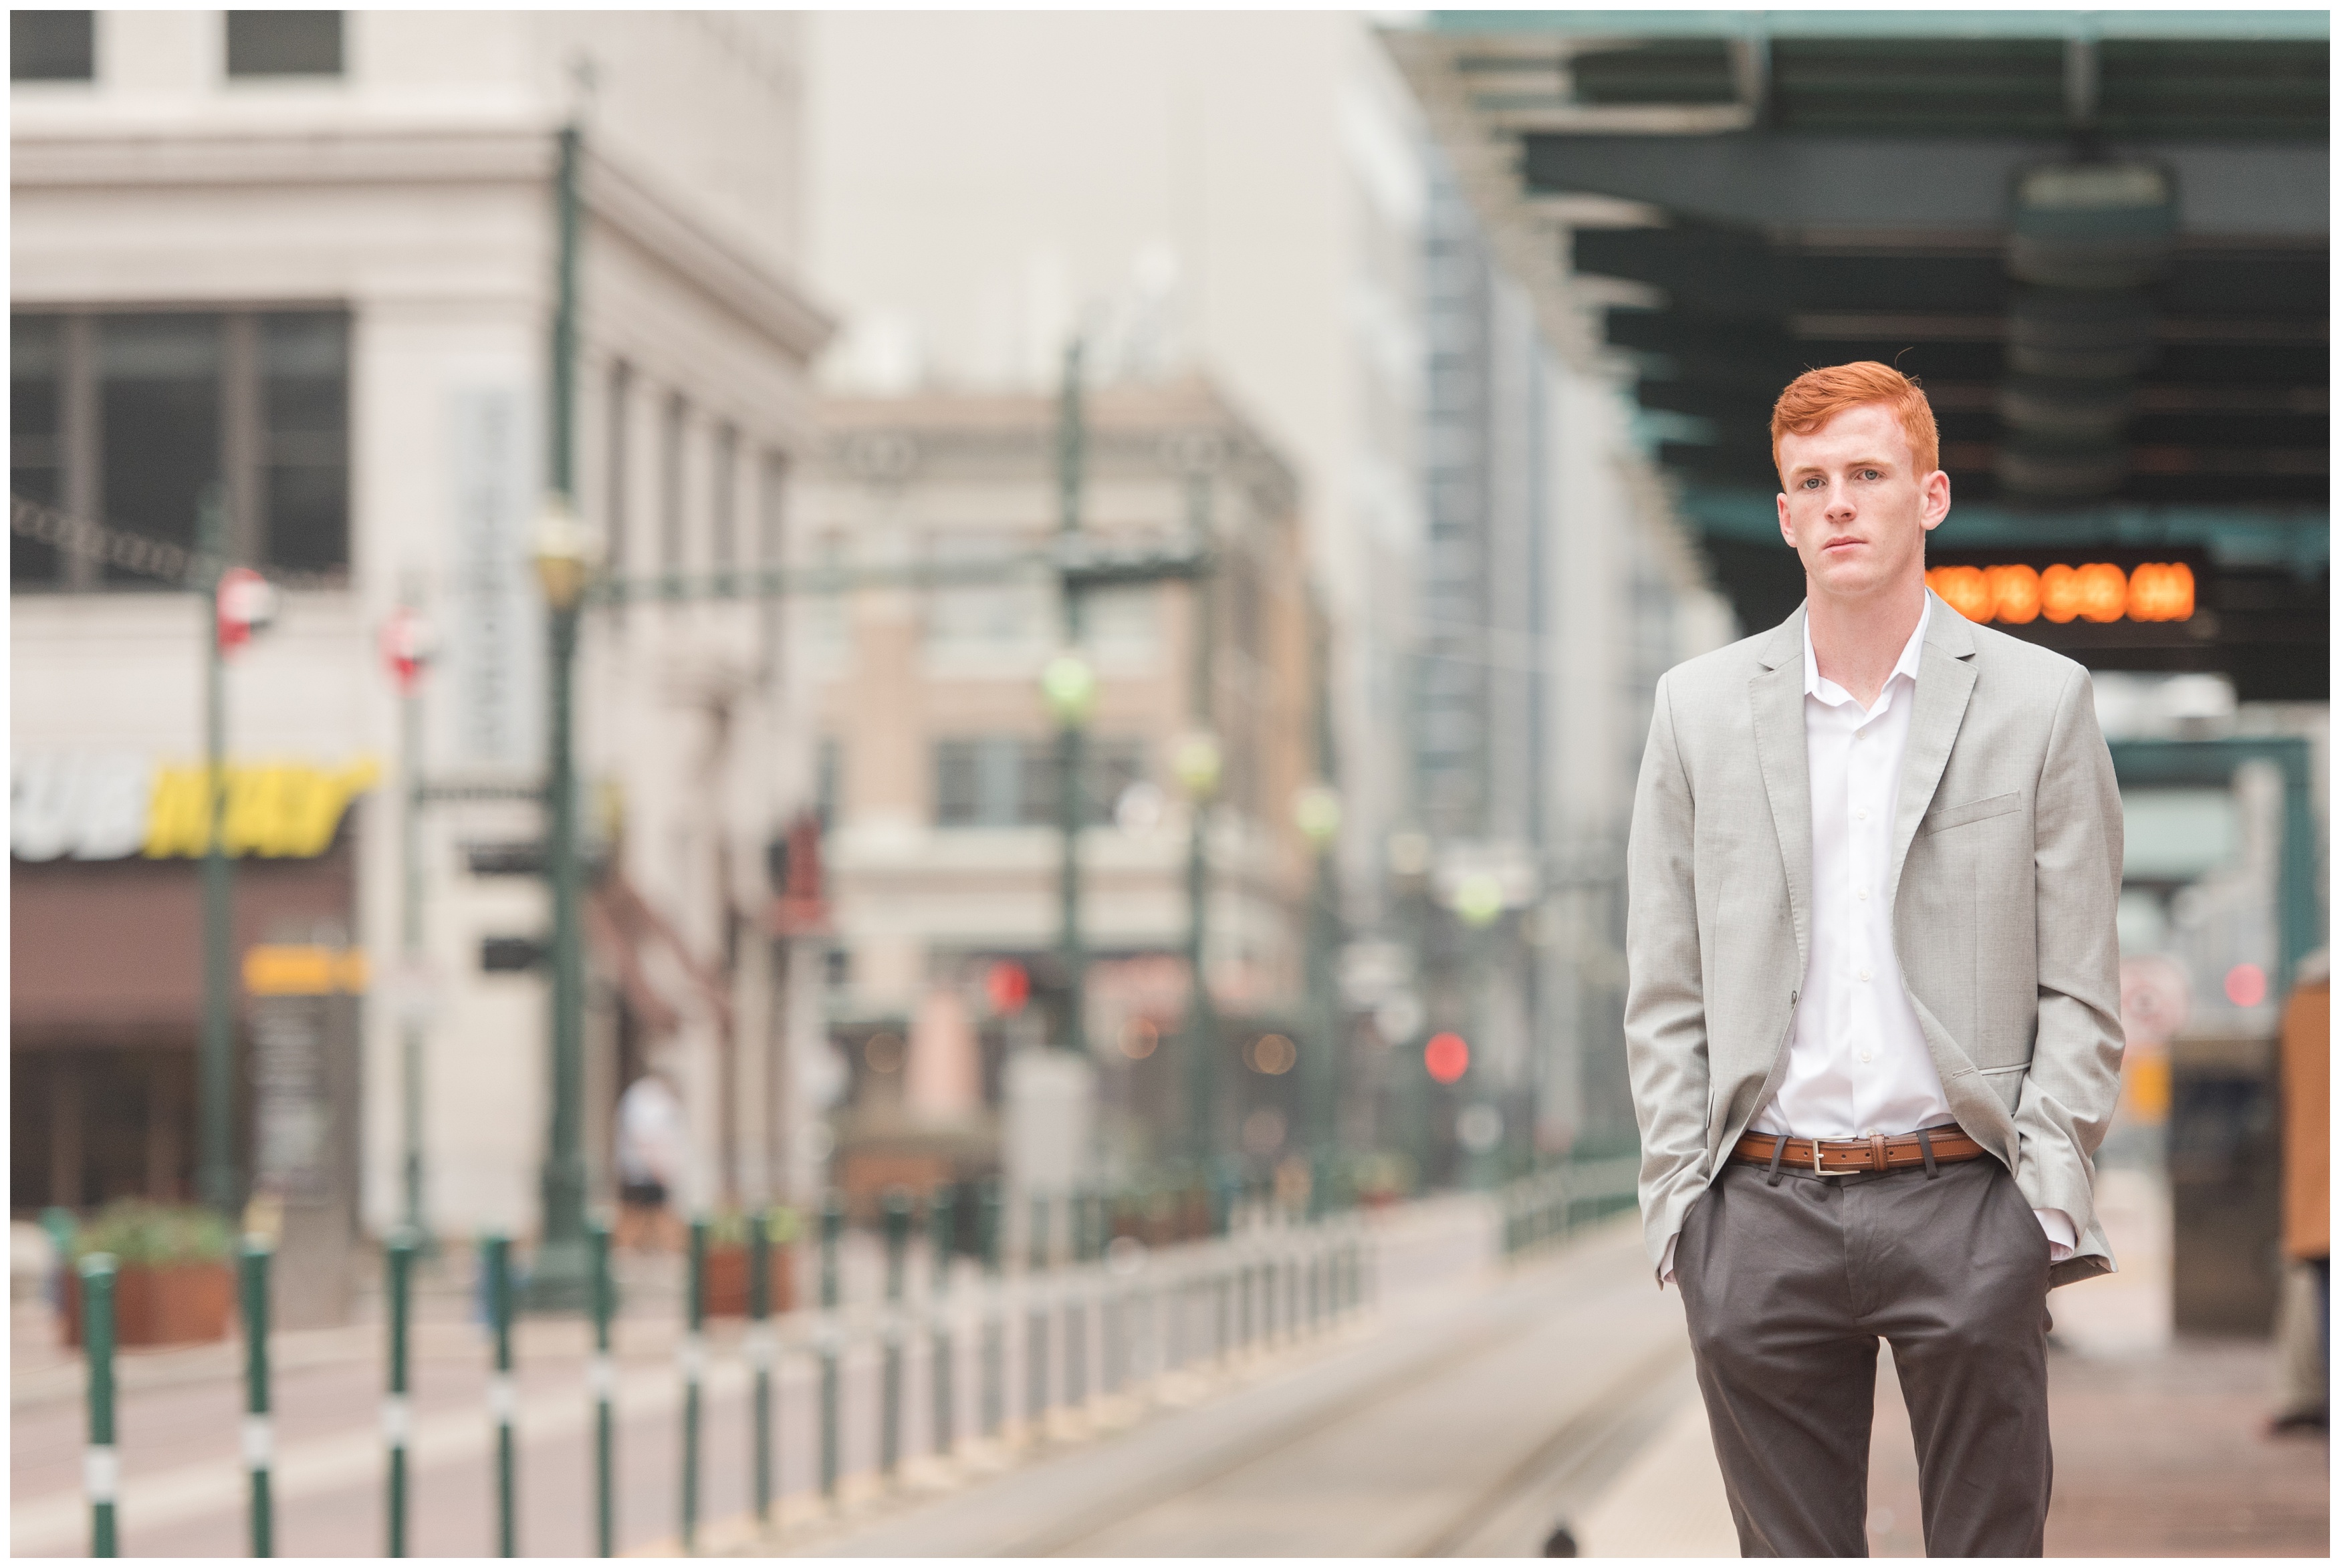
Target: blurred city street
<point>937,717</point>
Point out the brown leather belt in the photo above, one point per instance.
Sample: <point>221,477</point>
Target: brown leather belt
<point>1828,1155</point>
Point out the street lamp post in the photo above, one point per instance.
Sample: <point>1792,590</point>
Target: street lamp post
<point>565,555</point>
<point>1317,812</point>
<point>215,1166</point>
<point>1197,767</point>
<point>1069,686</point>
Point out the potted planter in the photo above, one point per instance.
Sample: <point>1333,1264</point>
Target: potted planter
<point>173,1282</point>
<point>725,1280</point>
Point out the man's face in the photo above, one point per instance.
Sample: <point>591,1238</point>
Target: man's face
<point>1854,507</point>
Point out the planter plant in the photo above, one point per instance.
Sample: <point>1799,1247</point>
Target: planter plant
<point>726,1280</point>
<point>174,1282</point>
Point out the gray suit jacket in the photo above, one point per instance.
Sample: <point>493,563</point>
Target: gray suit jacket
<point>2006,873</point>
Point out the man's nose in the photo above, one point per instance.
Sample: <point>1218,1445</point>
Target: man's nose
<point>1840,503</point>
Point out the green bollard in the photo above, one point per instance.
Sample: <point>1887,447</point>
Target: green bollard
<point>941,1216</point>
<point>1035,1323</point>
<point>832,1224</point>
<point>897,1256</point>
<point>760,1351</point>
<point>995,1348</point>
<point>502,1401</point>
<point>602,1374</point>
<point>1077,1305</point>
<point>100,1472</point>
<point>694,1371</point>
<point>252,1281</point>
<point>397,1422</point>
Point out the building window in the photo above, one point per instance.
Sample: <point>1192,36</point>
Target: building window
<point>826,765</point>
<point>670,483</point>
<point>128,418</point>
<point>725,510</point>
<point>284,44</point>
<point>771,511</point>
<point>1010,781</point>
<point>36,456</point>
<point>614,510</point>
<point>52,46</point>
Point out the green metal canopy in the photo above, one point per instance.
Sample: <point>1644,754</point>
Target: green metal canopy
<point>2099,238</point>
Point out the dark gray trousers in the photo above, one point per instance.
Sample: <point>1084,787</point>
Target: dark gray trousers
<point>1788,1289</point>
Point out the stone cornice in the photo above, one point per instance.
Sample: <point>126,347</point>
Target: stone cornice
<point>155,157</point>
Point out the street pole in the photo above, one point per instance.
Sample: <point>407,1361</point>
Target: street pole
<point>215,1175</point>
<point>410,842</point>
<point>1202,1023</point>
<point>561,1277</point>
<point>1069,735</point>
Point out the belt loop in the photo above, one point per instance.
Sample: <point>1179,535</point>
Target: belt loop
<point>1926,1148</point>
<point>1779,1147</point>
<point>1877,1150</point>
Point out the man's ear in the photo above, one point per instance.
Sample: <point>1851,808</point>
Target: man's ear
<point>1937,489</point>
<point>1786,531</point>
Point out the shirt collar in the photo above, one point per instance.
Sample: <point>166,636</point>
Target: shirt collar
<point>1907,665</point>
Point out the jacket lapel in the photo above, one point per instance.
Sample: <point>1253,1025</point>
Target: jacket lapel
<point>1777,695</point>
<point>1946,678</point>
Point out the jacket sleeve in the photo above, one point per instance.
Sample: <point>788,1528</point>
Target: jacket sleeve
<point>1665,993</point>
<point>2069,1095</point>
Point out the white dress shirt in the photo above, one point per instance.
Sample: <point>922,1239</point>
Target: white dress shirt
<point>1857,1060</point>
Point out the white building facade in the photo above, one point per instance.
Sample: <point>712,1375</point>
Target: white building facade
<point>312,255</point>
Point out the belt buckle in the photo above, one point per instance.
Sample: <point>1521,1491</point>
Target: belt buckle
<point>1817,1169</point>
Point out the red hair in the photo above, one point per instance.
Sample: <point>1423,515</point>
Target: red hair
<point>1816,397</point>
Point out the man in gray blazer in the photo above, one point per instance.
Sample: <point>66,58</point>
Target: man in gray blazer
<point>1872,1016</point>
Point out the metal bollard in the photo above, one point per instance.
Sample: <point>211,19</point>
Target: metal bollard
<point>502,1400</point>
<point>941,1216</point>
<point>602,1373</point>
<point>995,1350</point>
<point>398,1257</point>
<point>832,1224</point>
<point>252,1282</point>
<point>760,1351</point>
<point>898,1255</point>
<point>1076,1302</point>
<point>1036,1359</point>
<point>100,1472</point>
<point>694,1372</point>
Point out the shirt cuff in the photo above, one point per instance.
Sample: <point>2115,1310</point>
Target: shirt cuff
<point>1666,1263</point>
<point>2063,1240</point>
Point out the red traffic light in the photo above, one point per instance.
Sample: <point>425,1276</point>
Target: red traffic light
<point>1447,1057</point>
<point>1008,986</point>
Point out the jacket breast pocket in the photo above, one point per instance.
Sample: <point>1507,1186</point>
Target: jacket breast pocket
<point>1941,818</point>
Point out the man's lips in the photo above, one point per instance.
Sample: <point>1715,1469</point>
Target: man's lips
<point>1841,543</point>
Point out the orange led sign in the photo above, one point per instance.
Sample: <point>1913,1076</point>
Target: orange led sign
<point>2098,591</point>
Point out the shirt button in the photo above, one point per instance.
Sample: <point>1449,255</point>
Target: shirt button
<point>1864,1055</point>
<point>1861,894</point>
<point>1861,815</point>
<point>1864,976</point>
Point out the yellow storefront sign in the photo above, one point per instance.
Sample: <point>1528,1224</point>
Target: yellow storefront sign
<point>287,810</point>
<point>287,969</point>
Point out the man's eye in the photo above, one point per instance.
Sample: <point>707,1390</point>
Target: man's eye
<point>1869,473</point>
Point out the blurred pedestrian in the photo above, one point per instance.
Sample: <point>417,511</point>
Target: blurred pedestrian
<point>2306,1070</point>
<point>653,1150</point>
<point>1873,1008</point>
